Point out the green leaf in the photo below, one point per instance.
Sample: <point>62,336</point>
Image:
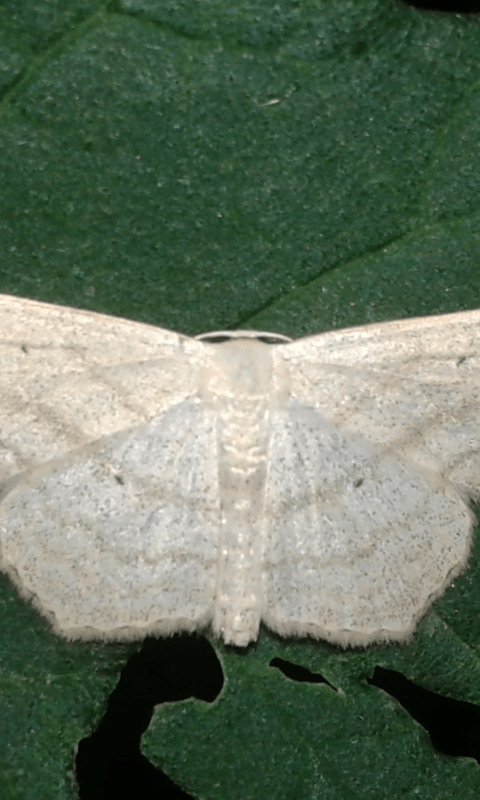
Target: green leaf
<point>200,165</point>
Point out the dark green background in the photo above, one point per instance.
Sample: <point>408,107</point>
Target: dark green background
<point>198,164</point>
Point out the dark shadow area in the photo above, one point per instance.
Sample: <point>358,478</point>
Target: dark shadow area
<point>109,763</point>
<point>453,725</point>
<point>447,6</point>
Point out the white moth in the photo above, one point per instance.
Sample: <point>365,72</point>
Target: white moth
<point>152,482</point>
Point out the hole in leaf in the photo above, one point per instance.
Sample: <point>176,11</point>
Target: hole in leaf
<point>298,673</point>
<point>109,763</point>
<point>453,725</point>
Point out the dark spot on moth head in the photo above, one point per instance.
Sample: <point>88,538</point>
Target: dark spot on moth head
<point>119,480</point>
<point>358,482</point>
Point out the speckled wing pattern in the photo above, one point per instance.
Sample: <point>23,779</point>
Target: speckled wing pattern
<point>150,482</point>
<point>377,452</point>
<point>110,525</point>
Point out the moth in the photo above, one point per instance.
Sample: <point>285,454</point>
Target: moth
<point>152,482</point>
